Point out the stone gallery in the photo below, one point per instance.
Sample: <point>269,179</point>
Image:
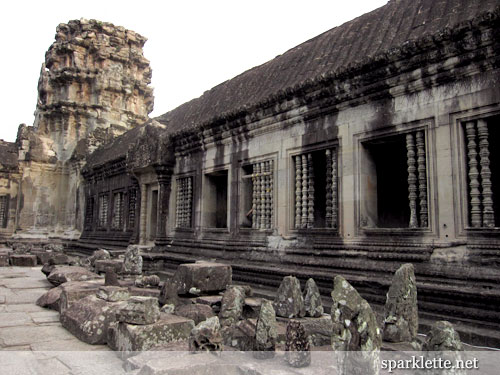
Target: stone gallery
<point>366,150</point>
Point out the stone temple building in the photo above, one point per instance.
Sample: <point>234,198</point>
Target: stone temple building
<point>368,146</point>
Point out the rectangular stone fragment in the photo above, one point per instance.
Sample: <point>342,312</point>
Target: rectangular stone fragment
<point>42,256</point>
<point>318,329</point>
<point>113,293</point>
<point>204,276</point>
<point>139,310</point>
<point>76,290</point>
<point>128,338</point>
<point>101,265</point>
<point>23,260</point>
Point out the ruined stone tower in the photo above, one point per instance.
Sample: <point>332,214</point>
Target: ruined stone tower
<point>93,86</point>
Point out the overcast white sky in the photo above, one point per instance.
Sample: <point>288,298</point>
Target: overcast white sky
<point>192,45</point>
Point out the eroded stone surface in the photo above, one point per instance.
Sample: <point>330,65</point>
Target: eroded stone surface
<point>297,346</point>
<point>139,310</point>
<point>132,264</point>
<point>443,343</point>
<point>206,336</point>
<point>63,274</point>
<point>266,333</point>
<point>355,328</point>
<point>50,299</point>
<point>74,291</point>
<point>197,312</point>
<point>89,318</point>
<point>23,260</point>
<point>113,293</point>
<point>312,300</point>
<point>232,305</point>
<point>101,265</point>
<point>401,310</point>
<point>289,302</point>
<point>127,338</point>
<point>147,281</point>
<point>205,276</point>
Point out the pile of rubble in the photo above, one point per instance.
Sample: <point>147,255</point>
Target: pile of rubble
<point>199,309</point>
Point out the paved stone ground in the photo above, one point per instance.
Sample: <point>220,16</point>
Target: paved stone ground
<point>32,341</point>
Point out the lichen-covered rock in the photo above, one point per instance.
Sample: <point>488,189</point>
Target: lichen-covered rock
<point>442,337</point>
<point>132,264</point>
<point>139,310</point>
<point>401,311</point>
<point>113,293</point>
<point>355,329</point>
<point>147,281</point>
<point>207,277</point>
<point>266,332</point>
<point>168,294</point>
<point>20,248</point>
<point>196,311</point>
<point>319,329</point>
<point>312,300</point>
<point>101,265</point>
<point>89,319</point>
<point>63,274</point>
<point>206,336</point>
<point>127,338</point>
<point>443,343</point>
<point>233,300</point>
<point>289,302</point>
<point>297,346</point>
<point>76,290</point>
<point>54,247</point>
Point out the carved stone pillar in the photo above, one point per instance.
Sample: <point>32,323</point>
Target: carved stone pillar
<point>256,187</point>
<point>475,195</point>
<point>310,192</point>
<point>298,192</point>
<point>412,180</point>
<point>271,195</point>
<point>484,153</point>
<point>422,178</point>
<point>305,189</point>
<point>143,215</point>
<point>164,187</point>
<point>262,205</point>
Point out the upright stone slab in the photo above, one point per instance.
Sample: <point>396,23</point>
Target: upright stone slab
<point>207,277</point>
<point>139,310</point>
<point>168,294</point>
<point>289,302</point>
<point>132,264</point>
<point>111,278</point>
<point>89,318</point>
<point>312,300</point>
<point>266,333</point>
<point>206,336</point>
<point>401,310</point>
<point>233,301</point>
<point>297,346</point>
<point>355,330</point>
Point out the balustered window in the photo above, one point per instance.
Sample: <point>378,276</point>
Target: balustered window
<point>89,213</point>
<point>257,195</point>
<point>483,172</point>
<point>103,210</point>
<point>117,217</point>
<point>316,189</point>
<point>395,182</point>
<point>4,210</point>
<point>184,206</point>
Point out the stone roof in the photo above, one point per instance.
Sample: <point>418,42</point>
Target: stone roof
<point>353,43</point>
<point>8,155</point>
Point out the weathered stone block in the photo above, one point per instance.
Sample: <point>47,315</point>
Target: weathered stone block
<point>297,347</point>
<point>289,302</point>
<point>144,292</point>
<point>100,265</point>
<point>197,312</point>
<point>89,318</point>
<point>42,256</point>
<point>132,263</point>
<point>74,291</point>
<point>23,260</point>
<point>128,338</point>
<point>63,274</point>
<point>205,276</point>
<point>266,333</point>
<point>312,300</point>
<point>206,336</point>
<point>401,311</point>
<point>58,258</point>
<point>232,306</point>
<point>139,310</point>
<point>113,293</point>
<point>50,299</point>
